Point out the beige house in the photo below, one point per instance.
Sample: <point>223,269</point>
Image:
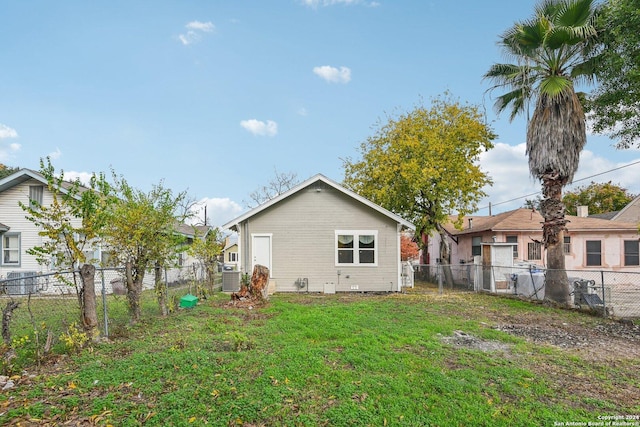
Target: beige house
<point>630,213</point>
<point>589,244</point>
<point>322,237</point>
<point>230,253</point>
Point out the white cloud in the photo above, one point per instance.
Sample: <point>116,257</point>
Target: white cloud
<point>260,128</point>
<point>8,152</point>
<point>84,177</point>
<point>7,132</point>
<point>508,167</point>
<point>303,112</point>
<point>55,154</point>
<point>333,74</point>
<point>207,27</point>
<point>219,211</point>
<point>195,30</point>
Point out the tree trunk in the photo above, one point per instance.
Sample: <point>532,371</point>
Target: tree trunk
<point>89,313</point>
<point>259,282</point>
<point>134,289</point>
<point>161,291</point>
<point>552,209</point>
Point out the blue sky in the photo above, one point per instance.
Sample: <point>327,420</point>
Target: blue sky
<point>212,97</point>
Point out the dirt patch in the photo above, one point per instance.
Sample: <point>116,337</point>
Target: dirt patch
<point>602,341</point>
<point>461,339</point>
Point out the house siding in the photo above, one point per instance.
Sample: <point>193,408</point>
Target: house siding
<point>15,217</point>
<point>302,230</point>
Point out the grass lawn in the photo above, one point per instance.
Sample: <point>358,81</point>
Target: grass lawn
<point>332,360</point>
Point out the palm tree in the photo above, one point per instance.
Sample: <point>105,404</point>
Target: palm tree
<point>552,51</point>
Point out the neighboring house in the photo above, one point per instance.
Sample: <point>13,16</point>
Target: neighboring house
<point>18,234</point>
<point>22,186</point>
<point>190,233</point>
<point>589,243</point>
<point>230,252</point>
<point>630,213</point>
<point>322,237</point>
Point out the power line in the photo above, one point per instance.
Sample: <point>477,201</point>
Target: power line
<point>577,180</point>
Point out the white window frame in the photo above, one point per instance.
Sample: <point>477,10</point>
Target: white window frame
<point>356,238</point>
<point>18,249</point>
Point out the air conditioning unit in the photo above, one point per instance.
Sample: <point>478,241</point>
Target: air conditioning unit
<point>231,281</point>
<point>21,282</point>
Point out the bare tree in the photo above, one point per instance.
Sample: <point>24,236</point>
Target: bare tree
<point>280,183</point>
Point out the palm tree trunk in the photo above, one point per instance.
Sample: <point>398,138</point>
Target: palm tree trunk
<point>552,209</point>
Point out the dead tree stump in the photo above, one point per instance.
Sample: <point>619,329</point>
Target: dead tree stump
<point>256,290</point>
<point>259,282</point>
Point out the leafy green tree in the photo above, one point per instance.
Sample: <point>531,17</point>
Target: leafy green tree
<point>423,165</point>
<point>141,236</point>
<point>207,250</point>
<point>599,197</point>
<point>616,102</point>
<point>74,220</point>
<point>5,171</point>
<point>553,52</point>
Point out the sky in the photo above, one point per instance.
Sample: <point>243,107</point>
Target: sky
<point>215,97</point>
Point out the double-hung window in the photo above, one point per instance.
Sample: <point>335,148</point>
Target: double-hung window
<point>476,245</point>
<point>36,194</point>
<point>594,252</point>
<point>631,252</point>
<point>356,247</point>
<point>11,249</point>
<point>513,239</point>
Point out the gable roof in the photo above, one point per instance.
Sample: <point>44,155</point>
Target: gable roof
<point>527,220</point>
<point>3,228</point>
<point>24,175</point>
<point>316,178</point>
<point>629,206</point>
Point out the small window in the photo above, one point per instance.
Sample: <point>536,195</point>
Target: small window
<point>11,249</point>
<point>35,195</point>
<point>476,246</point>
<point>534,251</point>
<point>631,252</point>
<point>356,248</point>
<point>233,256</point>
<point>594,252</point>
<point>513,239</point>
<point>567,245</point>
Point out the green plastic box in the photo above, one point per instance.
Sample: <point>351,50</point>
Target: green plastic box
<point>188,301</point>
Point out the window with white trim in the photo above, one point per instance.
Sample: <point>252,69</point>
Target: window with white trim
<point>233,256</point>
<point>11,249</point>
<point>356,247</point>
<point>513,239</point>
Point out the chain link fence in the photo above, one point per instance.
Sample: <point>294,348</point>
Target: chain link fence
<point>38,310</point>
<point>609,293</point>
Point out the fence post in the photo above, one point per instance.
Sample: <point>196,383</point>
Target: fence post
<point>604,301</point>
<point>439,270</point>
<point>104,305</point>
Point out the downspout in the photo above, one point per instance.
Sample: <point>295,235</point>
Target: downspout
<point>245,227</point>
<point>399,258</point>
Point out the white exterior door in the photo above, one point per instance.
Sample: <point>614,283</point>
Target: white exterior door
<point>261,251</point>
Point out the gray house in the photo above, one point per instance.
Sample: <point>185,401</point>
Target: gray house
<point>321,237</point>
